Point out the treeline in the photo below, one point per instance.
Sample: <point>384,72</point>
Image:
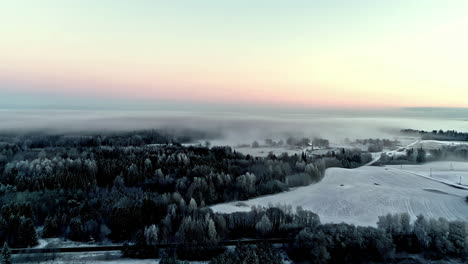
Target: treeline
<point>435,238</point>
<point>347,158</point>
<point>200,230</point>
<point>377,144</point>
<point>294,142</point>
<point>421,155</point>
<point>35,140</point>
<point>449,135</point>
<point>343,243</point>
<point>311,241</point>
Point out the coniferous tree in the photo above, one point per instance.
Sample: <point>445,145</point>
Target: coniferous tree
<point>51,228</point>
<point>6,257</point>
<point>27,236</point>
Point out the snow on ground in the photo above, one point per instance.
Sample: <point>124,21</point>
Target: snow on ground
<point>62,243</point>
<point>263,151</point>
<point>359,196</point>
<point>42,243</point>
<point>436,144</point>
<point>88,258</point>
<point>405,143</point>
<point>443,170</point>
<point>393,153</point>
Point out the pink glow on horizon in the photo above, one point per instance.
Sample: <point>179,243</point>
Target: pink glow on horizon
<point>196,90</point>
<point>191,90</point>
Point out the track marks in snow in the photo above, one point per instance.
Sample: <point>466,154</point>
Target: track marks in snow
<point>360,201</point>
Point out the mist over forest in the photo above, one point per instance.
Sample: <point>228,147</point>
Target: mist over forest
<point>233,126</point>
<point>191,177</point>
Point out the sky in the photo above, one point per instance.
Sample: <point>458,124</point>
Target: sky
<point>279,53</point>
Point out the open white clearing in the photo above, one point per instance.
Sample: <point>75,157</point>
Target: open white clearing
<point>359,196</point>
<point>444,170</point>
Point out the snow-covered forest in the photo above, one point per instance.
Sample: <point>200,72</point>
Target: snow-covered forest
<point>145,188</point>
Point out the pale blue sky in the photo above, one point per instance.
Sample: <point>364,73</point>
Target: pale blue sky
<point>309,53</point>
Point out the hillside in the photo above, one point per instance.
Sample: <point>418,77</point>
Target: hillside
<point>441,170</point>
<point>359,196</point>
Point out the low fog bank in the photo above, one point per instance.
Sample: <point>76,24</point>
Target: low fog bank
<point>225,128</point>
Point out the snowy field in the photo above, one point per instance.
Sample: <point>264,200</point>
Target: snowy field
<point>359,196</point>
<point>436,144</point>
<point>444,170</point>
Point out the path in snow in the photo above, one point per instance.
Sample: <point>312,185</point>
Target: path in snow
<point>393,152</point>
